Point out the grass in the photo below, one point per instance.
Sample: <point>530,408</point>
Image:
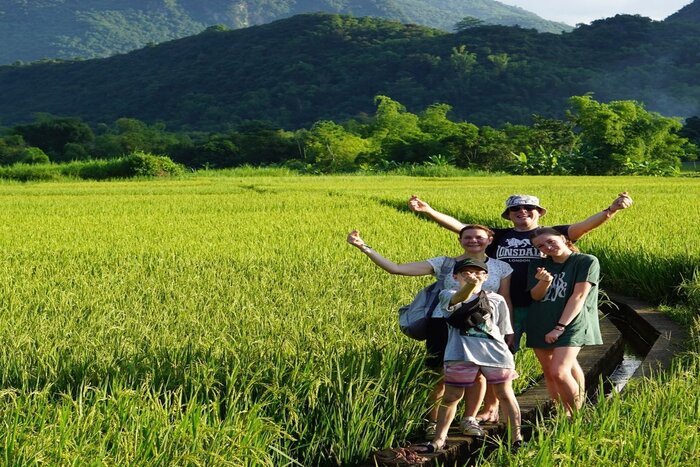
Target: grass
<point>224,320</point>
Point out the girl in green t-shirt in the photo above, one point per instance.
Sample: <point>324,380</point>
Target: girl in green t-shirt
<point>564,314</point>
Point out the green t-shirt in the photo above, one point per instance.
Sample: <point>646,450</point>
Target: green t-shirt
<point>543,315</point>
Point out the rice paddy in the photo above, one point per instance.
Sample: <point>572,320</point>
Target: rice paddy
<point>224,320</point>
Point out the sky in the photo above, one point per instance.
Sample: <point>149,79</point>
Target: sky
<point>585,11</point>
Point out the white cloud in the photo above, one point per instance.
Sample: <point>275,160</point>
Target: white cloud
<point>585,11</point>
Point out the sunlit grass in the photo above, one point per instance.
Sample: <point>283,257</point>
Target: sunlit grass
<point>224,320</point>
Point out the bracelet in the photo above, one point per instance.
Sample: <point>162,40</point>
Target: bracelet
<point>559,328</point>
<point>608,212</point>
<point>364,248</point>
<point>562,325</point>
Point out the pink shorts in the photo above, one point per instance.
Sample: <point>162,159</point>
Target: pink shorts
<point>464,374</point>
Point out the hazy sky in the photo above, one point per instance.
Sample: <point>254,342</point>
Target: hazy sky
<point>585,11</point>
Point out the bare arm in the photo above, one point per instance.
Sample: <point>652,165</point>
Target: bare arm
<point>540,289</point>
<point>471,285</point>
<point>419,268</point>
<point>578,230</point>
<point>571,310</point>
<point>416,204</point>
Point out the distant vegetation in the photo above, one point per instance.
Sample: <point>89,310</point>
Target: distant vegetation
<point>619,137</point>
<point>138,164</point>
<point>297,71</point>
<point>99,28</point>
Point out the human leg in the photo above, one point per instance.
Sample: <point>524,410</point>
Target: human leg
<point>435,397</point>
<point>580,377</point>
<point>461,375</point>
<point>435,347</point>
<point>544,356</point>
<point>511,408</point>
<point>519,319</point>
<point>562,370</point>
<point>474,396</point>
<point>448,409</point>
<point>489,413</point>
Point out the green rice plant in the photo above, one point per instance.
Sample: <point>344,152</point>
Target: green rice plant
<point>225,320</point>
<point>653,423</point>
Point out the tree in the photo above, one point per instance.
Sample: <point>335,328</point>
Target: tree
<point>51,134</point>
<point>462,60</point>
<point>331,148</point>
<point>468,22</point>
<point>622,137</point>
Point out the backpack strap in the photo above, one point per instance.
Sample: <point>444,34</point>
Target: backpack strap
<point>446,268</point>
<point>447,265</point>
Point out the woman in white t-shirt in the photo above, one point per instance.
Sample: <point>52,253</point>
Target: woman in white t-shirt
<point>474,239</point>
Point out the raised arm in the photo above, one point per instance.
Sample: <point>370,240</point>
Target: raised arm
<point>571,310</point>
<point>416,204</point>
<point>578,230</point>
<point>419,268</point>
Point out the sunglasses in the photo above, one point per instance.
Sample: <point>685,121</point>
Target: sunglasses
<point>527,207</point>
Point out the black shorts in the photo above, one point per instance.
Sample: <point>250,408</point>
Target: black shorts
<point>435,343</point>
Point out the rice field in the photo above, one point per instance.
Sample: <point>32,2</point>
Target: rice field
<point>224,320</point>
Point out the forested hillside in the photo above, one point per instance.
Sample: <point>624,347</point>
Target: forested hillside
<point>32,30</point>
<point>296,71</point>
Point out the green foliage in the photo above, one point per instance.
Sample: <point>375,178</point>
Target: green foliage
<point>205,333</point>
<point>622,137</point>
<point>13,150</point>
<point>141,164</point>
<point>393,135</point>
<point>138,164</point>
<point>62,138</point>
<point>87,28</point>
<point>468,22</point>
<point>330,67</point>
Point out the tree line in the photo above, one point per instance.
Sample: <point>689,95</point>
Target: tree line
<point>618,137</point>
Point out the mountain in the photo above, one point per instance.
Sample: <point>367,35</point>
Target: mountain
<point>689,13</point>
<point>296,71</point>
<point>38,29</point>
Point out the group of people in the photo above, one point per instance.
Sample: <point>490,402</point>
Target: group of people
<point>526,279</point>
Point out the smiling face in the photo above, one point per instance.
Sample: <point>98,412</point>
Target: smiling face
<point>524,217</point>
<point>552,245</point>
<point>475,240</point>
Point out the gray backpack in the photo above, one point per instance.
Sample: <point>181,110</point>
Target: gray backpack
<point>414,317</point>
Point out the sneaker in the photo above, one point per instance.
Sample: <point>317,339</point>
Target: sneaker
<point>430,429</point>
<point>470,427</point>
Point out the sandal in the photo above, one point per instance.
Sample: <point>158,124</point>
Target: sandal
<point>426,448</point>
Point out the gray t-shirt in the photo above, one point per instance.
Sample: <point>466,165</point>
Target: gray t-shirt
<point>475,346</point>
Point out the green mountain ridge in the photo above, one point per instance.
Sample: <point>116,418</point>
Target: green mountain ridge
<point>67,29</point>
<point>296,71</point>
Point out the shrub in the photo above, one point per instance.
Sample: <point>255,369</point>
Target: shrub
<point>134,165</point>
<point>148,165</point>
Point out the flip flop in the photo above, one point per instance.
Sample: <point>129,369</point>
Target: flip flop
<point>425,448</point>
